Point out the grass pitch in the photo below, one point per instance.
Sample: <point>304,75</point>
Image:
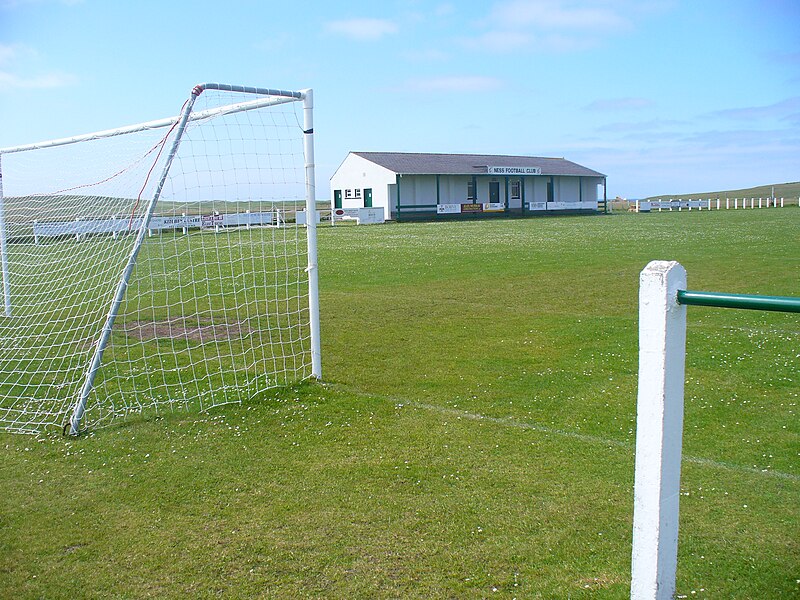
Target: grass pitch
<point>473,437</point>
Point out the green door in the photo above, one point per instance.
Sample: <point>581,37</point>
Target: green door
<point>337,198</point>
<point>494,192</point>
<point>368,198</point>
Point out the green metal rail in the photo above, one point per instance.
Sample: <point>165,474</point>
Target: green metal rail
<point>750,302</point>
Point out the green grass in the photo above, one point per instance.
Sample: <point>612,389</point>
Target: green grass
<point>473,437</point>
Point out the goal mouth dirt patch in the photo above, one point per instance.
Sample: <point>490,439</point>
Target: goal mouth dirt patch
<point>181,328</point>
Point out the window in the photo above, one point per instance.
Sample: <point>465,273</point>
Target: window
<point>516,188</point>
<point>358,193</point>
<point>348,193</point>
<point>471,195</point>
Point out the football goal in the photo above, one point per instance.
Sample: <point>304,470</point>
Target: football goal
<point>159,266</point>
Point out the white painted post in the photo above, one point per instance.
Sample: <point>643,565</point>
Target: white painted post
<point>659,431</point>
<point>735,203</point>
<point>311,234</point>
<point>759,203</point>
<point>185,228</point>
<point>248,219</point>
<point>781,202</point>
<point>727,203</point>
<point>637,206</point>
<point>114,227</point>
<point>4,251</point>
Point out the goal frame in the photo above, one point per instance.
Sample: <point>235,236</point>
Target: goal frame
<point>271,97</point>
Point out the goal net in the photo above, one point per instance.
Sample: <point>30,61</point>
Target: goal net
<point>159,266</point>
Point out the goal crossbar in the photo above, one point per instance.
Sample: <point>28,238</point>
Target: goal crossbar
<point>283,97</point>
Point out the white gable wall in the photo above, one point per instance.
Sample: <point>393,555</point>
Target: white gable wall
<point>357,173</point>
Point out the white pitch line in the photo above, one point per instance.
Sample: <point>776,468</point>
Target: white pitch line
<point>594,439</point>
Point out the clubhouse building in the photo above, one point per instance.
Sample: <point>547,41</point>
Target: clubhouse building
<point>429,186</point>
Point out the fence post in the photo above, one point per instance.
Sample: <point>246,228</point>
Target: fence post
<point>659,431</point>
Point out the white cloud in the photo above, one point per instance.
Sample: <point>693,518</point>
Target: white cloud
<point>454,83</point>
<point>445,10</point>
<point>12,61</point>
<point>362,29</point>
<point>555,25</point>
<point>10,81</point>
<point>12,4</point>
<point>617,104</point>
<point>273,43</point>
<point>427,55</point>
<point>6,54</point>
<point>785,109</point>
<point>559,15</point>
<point>10,52</point>
<point>501,41</point>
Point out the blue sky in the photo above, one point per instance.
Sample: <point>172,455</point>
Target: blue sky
<point>663,96</point>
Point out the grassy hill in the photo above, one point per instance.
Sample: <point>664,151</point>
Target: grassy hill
<point>781,190</point>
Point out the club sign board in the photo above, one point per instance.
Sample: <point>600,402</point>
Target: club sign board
<point>500,170</point>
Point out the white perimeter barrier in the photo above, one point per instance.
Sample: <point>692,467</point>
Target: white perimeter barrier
<point>300,217</point>
<point>115,225</point>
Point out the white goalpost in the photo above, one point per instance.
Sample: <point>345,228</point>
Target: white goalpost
<point>158,266</point>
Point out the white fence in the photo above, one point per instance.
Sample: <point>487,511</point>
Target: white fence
<point>116,225</point>
<point>706,204</point>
